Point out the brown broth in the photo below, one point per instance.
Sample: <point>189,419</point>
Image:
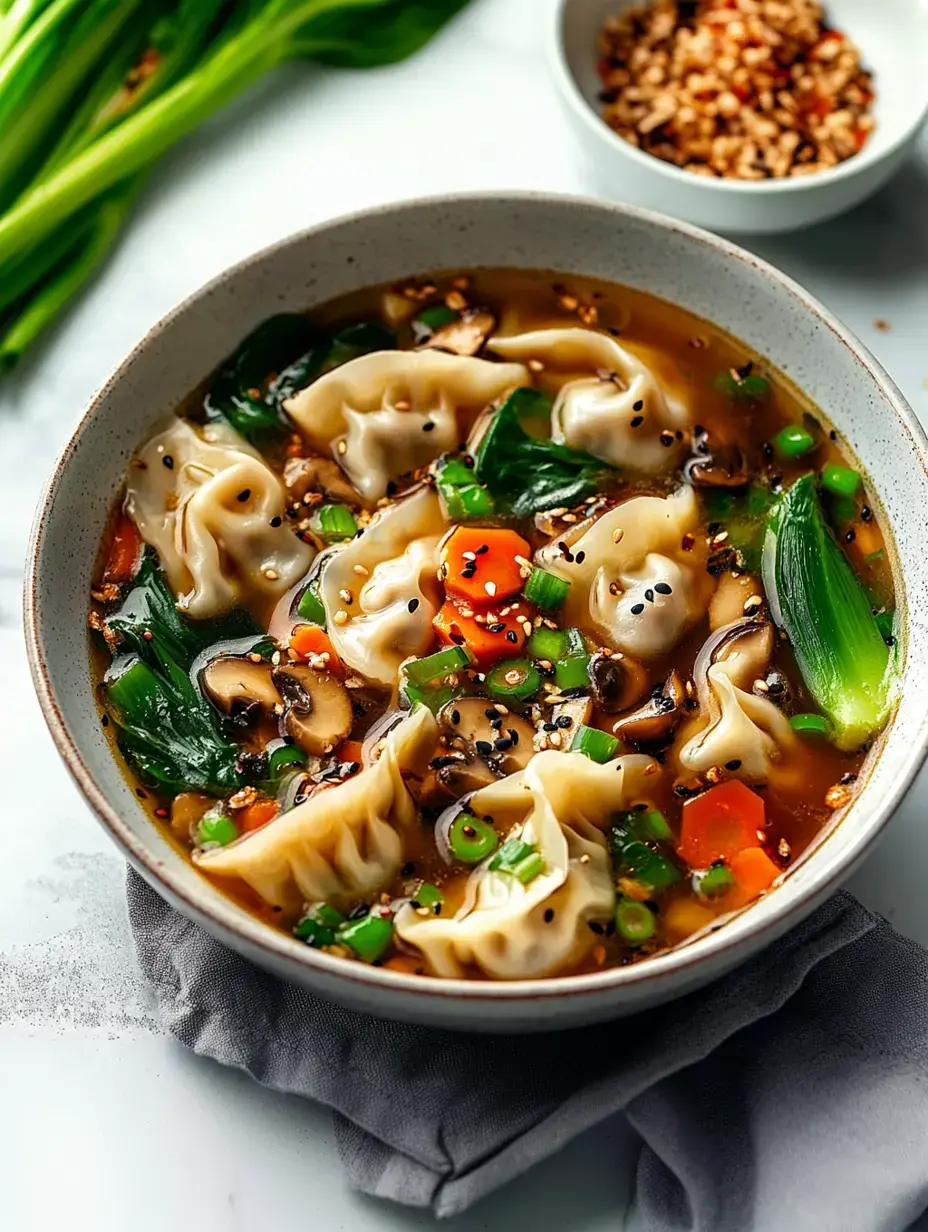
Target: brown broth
<point>687,354</point>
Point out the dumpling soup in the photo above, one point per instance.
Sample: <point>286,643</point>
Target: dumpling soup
<point>494,627</point>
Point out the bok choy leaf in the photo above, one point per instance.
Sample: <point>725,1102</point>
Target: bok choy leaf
<point>817,599</point>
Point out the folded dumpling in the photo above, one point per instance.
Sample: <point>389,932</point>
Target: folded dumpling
<point>345,842</point>
<point>611,404</point>
<point>561,803</point>
<point>215,513</point>
<point>735,727</point>
<point>381,590</point>
<point>637,573</point>
<point>386,414</point>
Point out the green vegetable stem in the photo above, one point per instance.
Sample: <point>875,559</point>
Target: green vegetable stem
<point>93,92</point>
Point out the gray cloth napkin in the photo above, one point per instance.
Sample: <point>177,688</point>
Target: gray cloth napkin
<point>791,1095</point>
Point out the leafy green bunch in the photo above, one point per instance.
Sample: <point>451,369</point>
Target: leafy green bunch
<point>92,92</point>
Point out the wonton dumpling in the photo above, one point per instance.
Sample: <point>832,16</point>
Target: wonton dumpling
<point>611,581</point>
<point>563,801</point>
<point>371,413</point>
<point>733,723</point>
<point>215,514</point>
<point>595,412</point>
<point>344,842</point>
<point>398,552</point>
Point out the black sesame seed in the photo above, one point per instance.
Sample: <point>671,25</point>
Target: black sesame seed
<point>484,547</point>
<point>663,588</point>
<point>549,915</point>
<point>637,421</point>
<point>549,727</point>
<point>734,764</point>
<point>638,406</point>
<point>512,636</point>
<point>168,461</point>
<point>649,595</point>
<point>866,514</point>
<point>142,795</point>
<point>408,869</point>
<point>412,605</point>
<point>491,713</point>
<point>580,557</point>
<point>637,609</point>
<point>391,488</point>
<point>565,721</point>
<point>429,426</point>
<point>513,735</point>
<point>484,747</point>
<point>244,495</point>
<point>850,536</point>
<point>105,720</point>
<point>596,927</point>
<point>889,640</point>
<point>698,430</point>
<point>438,763</point>
<point>832,435</point>
<point>275,522</point>
<point>455,717</point>
<point>497,628</point>
<point>503,744</point>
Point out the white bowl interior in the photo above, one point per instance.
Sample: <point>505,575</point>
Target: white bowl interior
<point>678,263</point>
<point>892,36</point>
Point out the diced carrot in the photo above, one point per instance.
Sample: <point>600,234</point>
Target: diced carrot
<point>256,815</point>
<point>487,640</point>
<point>683,917</point>
<point>125,552</point>
<point>404,963</point>
<point>720,823</point>
<point>754,872</point>
<point>350,751</point>
<point>310,641</point>
<point>479,563</point>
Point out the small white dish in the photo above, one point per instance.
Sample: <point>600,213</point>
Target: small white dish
<point>893,39</point>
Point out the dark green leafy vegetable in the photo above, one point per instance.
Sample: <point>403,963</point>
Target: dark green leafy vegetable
<point>93,92</point>
<point>166,727</point>
<point>526,474</point>
<point>817,599</point>
<point>640,844</point>
<point>326,354</point>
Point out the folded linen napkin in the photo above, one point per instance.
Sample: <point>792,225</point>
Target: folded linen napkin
<point>791,1095</point>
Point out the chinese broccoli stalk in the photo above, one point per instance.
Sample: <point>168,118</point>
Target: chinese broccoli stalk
<point>817,599</point>
<point>92,92</point>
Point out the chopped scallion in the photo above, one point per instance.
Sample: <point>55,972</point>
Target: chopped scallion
<point>513,680</point>
<point>319,925</point>
<point>549,644</point>
<point>793,441</point>
<point>510,854</point>
<point>216,830</point>
<point>840,480</point>
<point>811,726</point>
<point>529,868</point>
<point>311,607</point>
<point>369,937</point>
<point>428,895</point>
<point>471,840</point>
<point>435,667</point>
<point>713,881</point>
<point>287,757</point>
<point>635,921</point>
<point>334,523</point>
<point>546,590</point>
<point>597,745</point>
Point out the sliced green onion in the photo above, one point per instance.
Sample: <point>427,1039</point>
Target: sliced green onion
<point>457,472</point>
<point>593,743</point>
<point>216,829</point>
<point>819,602</point>
<point>311,607</point>
<point>369,937</point>
<point>635,921</point>
<point>549,644</point>
<point>572,671</point>
<point>471,840</point>
<point>510,854</point>
<point>713,881</point>
<point>650,867</point>
<point>840,480</point>
<point>811,726</point>
<point>793,441</point>
<point>319,925</point>
<point>435,667</point>
<point>751,387</point>
<point>284,758</point>
<point>529,868</point>
<point>426,695</point>
<point>334,523</point>
<point>428,895</point>
<point>435,317</point>
<point>654,825</point>
<point>513,680</point>
<point>546,590</point>
<point>468,501</point>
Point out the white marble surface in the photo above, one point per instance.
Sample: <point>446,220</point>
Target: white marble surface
<point>104,1123</point>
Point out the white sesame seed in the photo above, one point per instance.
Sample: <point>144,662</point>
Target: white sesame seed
<point>468,555</point>
<point>361,571</point>
<point>341,617</point>
<point>342,447</point>
<point>535,365</point>
<point>490,588</point>
<point>618,535</point>
<point>345,595</point>
<point>271,574</point>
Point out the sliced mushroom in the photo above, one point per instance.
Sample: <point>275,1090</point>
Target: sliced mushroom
<point>315,474</point>
<point>578,709</point>
<point>465,336</point>
<point>655,720</point>
<point>240,689</point>
<point>505,748</point>
<point>455,775</point>
<point>187,809</point>
<point>317,710</point>
<point>724,466</point>
<point>618,682</point>
<point>737,595</point>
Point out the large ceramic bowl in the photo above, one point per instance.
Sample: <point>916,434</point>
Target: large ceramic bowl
<point>706,276</point>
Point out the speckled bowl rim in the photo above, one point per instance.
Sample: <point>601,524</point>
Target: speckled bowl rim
<point>224,915</point>
<point>564,78</point>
